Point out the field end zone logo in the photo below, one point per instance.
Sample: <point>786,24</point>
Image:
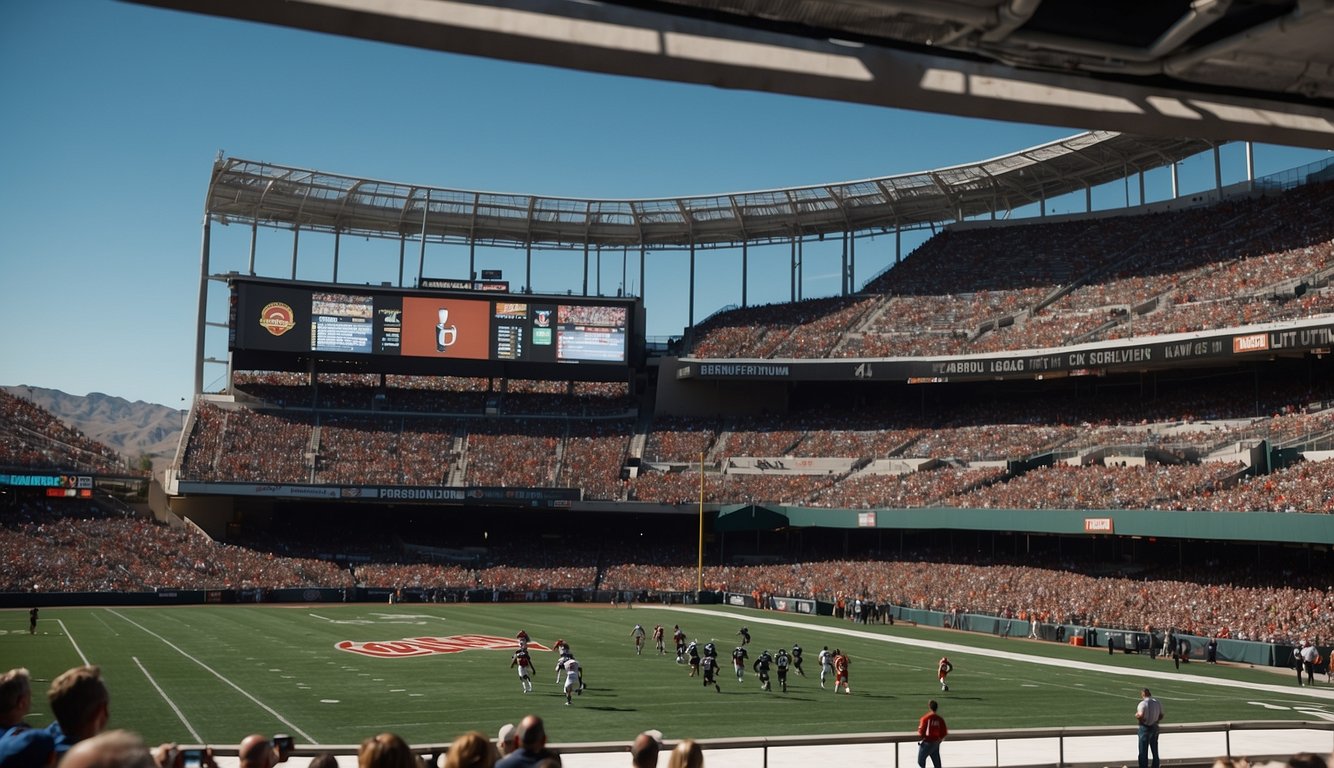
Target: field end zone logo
<point>277,318</point>
<point>409,647</point>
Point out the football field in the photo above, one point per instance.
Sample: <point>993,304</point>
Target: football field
<point>334,674</point>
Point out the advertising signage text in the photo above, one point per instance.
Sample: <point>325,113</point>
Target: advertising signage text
<point>1206,348</point>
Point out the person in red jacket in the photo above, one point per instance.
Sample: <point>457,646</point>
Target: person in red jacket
<point>932,729</point>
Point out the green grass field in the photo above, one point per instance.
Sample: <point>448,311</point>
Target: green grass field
<point>213,674</point>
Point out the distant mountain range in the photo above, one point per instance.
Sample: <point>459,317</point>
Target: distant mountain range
<point>133,429</point>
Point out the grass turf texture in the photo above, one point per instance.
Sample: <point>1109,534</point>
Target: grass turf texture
<point>232,670</point>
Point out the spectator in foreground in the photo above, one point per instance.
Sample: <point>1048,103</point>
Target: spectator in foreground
<point>644,751</point>
<point>532,736</point>
<point>386,750</point>
<point>27,748</point>
<point>113,749</point>
<point>1149,713</point>
<point>15,697</point>
<point>687,754</point>
<point>505,739</point>
<point>79,700</point>
<point>471,750</point>
<point>257,751</point>
<point>933,730</point>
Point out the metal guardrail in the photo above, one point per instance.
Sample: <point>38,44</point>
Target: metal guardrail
<point>1043,747</point>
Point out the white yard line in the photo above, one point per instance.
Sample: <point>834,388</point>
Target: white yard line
<point>308,738</point>
<point>98,616</point>
<point>195,734</point>
<point>77,650</point>
<point>1326,693</point>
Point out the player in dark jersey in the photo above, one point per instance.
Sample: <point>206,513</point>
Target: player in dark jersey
<point>679,638</point>
<point>739,656</point>
<point>524,662</point>
<point>761,667</point>
<point>709,669</point>
<point>796,659</point>
<point>745,635</point>
<point>710,649</point>
<point>692,651</point>
<point>781,662</point>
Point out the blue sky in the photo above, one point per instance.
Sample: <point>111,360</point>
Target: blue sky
<point>114,113</point>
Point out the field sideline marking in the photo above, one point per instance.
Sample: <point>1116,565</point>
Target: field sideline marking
<point>77,649</point>
<point>309,739</point>
<point>1284,690</point>
<point>98,616</point>
<point>198,739</point>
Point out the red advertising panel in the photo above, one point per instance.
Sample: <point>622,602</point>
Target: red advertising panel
<point>446,327</point>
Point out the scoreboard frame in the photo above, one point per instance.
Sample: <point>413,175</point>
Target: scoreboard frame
<point>290,325</point>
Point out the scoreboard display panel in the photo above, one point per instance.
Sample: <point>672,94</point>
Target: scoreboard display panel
<point>342,321</point>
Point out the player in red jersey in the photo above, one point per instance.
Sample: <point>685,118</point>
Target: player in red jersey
<point>658,633</point>
<point>841,664</point>
<point>943,669</point>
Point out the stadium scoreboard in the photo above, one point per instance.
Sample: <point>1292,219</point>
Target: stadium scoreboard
<point>342,322</point>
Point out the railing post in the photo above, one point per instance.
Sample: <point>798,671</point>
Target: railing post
<point>1227,727</point>
<point>1060,750</point>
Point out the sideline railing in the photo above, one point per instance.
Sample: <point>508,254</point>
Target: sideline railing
<point>1182,744</point>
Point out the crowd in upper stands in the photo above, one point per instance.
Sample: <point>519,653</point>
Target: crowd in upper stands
<point>1040,285</point>
<point>31,438</point>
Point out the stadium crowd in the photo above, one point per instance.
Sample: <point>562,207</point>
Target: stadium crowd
<point>1041,285</point>
<point>31,437</point>
<point>1181,425</point>
<point>81,548</point>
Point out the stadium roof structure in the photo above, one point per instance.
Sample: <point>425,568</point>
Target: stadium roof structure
<point>281,196</point>
<point>1255,70</point>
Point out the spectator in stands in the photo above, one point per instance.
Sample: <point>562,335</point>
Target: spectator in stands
<point>532,737</point>
<point>15,697</point>
<point>386,750</point>
<point>644,750</point>
<point>258,751</point>
<point>80,702</point>
<point>113,749</point>
<point>24,747</point>
<point>506,739</point>
<point>687,754</point>
<point>471,750</point>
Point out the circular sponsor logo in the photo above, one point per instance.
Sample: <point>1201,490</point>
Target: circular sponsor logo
<point>277,318</point>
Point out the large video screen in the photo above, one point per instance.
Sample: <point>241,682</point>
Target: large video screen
<point>301,320</point>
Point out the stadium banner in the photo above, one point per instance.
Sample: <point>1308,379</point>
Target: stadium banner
<point>1084,360</point>
<point>792,604</point>
<point>47,481</point>
<point>529,497</point>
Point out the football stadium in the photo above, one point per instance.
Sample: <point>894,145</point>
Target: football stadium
<point>1036,466</point>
